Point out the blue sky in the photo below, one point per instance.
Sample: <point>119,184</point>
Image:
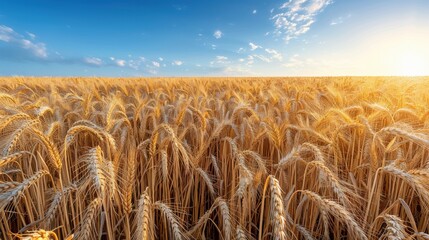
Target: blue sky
<point>214,38</point>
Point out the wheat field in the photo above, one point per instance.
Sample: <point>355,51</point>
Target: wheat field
<point>214,158</point>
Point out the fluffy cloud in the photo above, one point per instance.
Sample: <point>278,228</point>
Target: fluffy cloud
<point>254,11</point>
<point>253,46</point>
<point>156,64</point>
<point>14,39</point>
<point>295,17</point>
<point>120,62</point>
<point>177,63</point>
<point>217,34</point>
<point>38,49</point>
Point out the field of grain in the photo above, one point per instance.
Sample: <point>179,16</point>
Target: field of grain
<point>214,158</point>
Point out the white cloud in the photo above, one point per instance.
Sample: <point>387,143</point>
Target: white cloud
<point>253,46</point>
<point>214,46</point>
<point>120,62</point>
<point>217,34</point>
<point>23,47</point>
<point>250,60</point>
<point>31,35</point>
<point>274,54</point>
<point>38,49</point>
<point>152,71</point>
<point>339,20</point>
<point>241,50</point>
<point>297,61</point>
<point>161,59</point>
<point>8,35</point>
<point>254,11</point>
<point>262,58</point>
<point>220,60</point>
<point>156,64</point>
<point>297,65</point>
<point>177,63</point>
<point>336,21</point>
<point>297,16</point>
<point>134,64</point>
<point>93,61</point>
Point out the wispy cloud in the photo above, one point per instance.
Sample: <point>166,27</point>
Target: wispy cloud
<point>229,67</point>
<point>253,46</point>
<point>297,61</point>
<point>254,11</point>
<point>180,7</point>
<point>297,65</point>
<point>262,58</point>
<point>220,60</point>
<point>31,35</point>
<point>6,33</point>
<point>274,54</point>
<point>177,63</point>
<point>339,20</point>
<point>295,17</point>
<point>250,60</point>
<point>134,64</point>
<point>237,71</point>
<point>218,34</point>
<point>16,40</point>
<point>93,61</point>
<point>24,47</point>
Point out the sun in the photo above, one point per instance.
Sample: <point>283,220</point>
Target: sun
<point>399,51</point>
<point>411,63</point>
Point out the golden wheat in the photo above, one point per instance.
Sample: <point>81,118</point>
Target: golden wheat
<point>188,158</point>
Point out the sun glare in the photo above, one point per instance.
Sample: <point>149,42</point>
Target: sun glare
<point>412,64</point>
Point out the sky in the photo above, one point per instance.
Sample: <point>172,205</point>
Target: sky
<point>214,38</point>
